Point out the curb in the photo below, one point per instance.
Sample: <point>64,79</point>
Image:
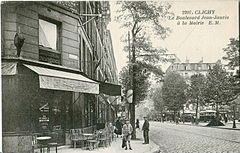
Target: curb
<point>155,149</point>
<point>217,127</point>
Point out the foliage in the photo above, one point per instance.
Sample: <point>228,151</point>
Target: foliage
<point>232,56</point>
<point>158,99</point>
<point>232,53</point>
<point>174,91</point>
<point>218,86</point>
<point>138,15</point>
<point>145,51</point>
<point>196,89</point>
<point>142,82</point>
<point>142,18</point>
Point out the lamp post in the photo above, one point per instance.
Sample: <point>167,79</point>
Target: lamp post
<point>234,115</point>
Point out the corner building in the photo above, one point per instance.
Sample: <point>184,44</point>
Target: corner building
<point>65,77</point>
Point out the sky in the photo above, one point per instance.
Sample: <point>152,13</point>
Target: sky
<point>192,42</point>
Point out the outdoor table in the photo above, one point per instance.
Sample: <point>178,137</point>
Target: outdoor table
<point>90,140</point>
<point>88,135</point>
<point>43,141</point>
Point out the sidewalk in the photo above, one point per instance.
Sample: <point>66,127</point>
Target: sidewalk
<point>115,147</point>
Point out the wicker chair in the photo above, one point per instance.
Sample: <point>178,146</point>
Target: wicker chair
<point>93,143</point>
<point>77,137</point>
<point>103,138</point>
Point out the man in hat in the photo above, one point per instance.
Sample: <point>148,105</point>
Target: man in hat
<point>127,131</point>
<point>145,129</point>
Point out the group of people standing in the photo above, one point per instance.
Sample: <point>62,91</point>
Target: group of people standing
<point>125,131</point>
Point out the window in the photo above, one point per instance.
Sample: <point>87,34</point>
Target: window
<point>47,34</point>
<point>49,41</point>
<point>209,67</point>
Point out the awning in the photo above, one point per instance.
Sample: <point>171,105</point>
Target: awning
<point>9,68</point>
<point>110,89</point>
<point>60,80</point>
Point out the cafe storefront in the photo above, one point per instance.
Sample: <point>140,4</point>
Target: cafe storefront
<point>42,99</point>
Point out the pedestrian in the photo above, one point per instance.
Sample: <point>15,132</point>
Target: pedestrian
<point>119,125</point>
<point>145,129</point>
<point>225,119</point>
<point>127,131</point>
<point>111,129</point>
<point>137,124</point>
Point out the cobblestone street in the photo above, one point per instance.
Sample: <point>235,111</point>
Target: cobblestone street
<point>174,138</point>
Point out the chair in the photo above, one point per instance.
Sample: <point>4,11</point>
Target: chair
<point>34,143</point>
<point>76,136</point>
<point>52,144</point>
<point>109,137</point>
<point>102,138</point>
<point>94,142</point>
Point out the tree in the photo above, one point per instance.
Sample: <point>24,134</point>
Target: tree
<point>174,92</point>
<point>196,90</point>
<point>232,56</point>
<point>218,89</point>
<point>158,100</point>
<point>138,16</point>
<point>232,53</point>
<point>142,82</point>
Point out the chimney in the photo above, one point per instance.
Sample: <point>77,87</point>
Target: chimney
<point>201,61</point>
<point>187,60</point>
<point>219,61</point>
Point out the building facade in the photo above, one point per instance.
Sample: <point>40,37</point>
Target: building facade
<point>187,69</point>
<point>58,70</point>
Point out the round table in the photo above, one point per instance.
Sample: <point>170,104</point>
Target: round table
<point>43,138</point>
<point>43,141</point>
<point>88,135</point>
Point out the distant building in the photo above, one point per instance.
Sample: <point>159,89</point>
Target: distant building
<point>188,69</point>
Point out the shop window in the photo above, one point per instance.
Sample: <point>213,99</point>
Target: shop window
<point>49,41</point>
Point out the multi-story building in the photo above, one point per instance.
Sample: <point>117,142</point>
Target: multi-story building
<point>58,70</point>
<point>188,69</point>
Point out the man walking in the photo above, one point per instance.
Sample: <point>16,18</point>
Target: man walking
<point>145,129</point>
<point>127,131</point>
<point>119,125</point>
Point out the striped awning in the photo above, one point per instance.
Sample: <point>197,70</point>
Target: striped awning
<point>61,80</point>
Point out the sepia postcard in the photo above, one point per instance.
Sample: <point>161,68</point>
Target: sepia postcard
<point>120,76</point>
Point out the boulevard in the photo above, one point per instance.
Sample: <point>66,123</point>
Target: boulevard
<point>172,138</point>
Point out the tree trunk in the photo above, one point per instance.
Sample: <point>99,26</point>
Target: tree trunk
<point>162,115</point>
<point>234,116</point>
<point>196,121</point>
<point>217,112</point>
<point>132,120</point>
<point>183,116</point>
<point>174,115</point>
